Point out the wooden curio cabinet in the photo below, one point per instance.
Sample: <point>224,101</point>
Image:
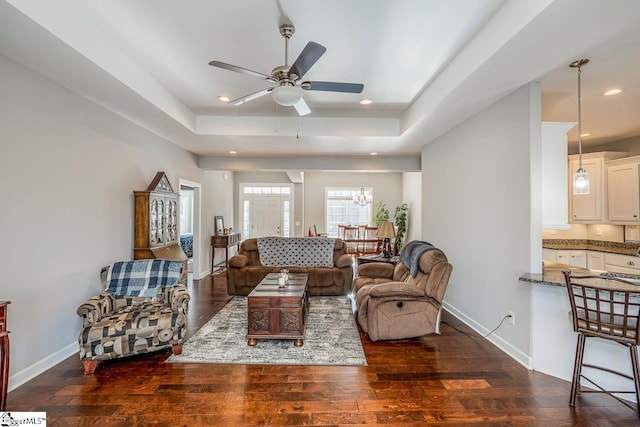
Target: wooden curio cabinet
<point>156,222</point>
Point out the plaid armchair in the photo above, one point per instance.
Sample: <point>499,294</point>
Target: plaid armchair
<point>125,320</point>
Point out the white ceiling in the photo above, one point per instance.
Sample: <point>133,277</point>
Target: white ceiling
<point>427,65</point>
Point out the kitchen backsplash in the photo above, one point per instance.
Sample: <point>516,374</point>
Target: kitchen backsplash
<point>602,232</point>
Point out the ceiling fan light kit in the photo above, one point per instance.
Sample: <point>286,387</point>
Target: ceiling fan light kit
<point>287,79</point>
<point>287,95</point>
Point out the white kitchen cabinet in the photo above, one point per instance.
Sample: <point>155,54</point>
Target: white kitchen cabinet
<point>623,195</point>
<point>615,263</point>
<point>575,258</point>
<point>549,255</point>
<point>555,205</point>
<point>595,260</point>
<point>590,208</point>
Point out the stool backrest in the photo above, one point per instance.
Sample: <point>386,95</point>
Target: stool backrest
<point>599,310</point>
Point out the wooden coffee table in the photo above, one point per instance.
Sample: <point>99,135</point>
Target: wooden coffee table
<point>278,313</point>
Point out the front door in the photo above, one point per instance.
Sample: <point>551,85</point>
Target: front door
<point>266,216</point>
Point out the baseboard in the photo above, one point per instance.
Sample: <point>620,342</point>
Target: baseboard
<point>202,274</point>
<point>516,354</point>
<point>19,378</point>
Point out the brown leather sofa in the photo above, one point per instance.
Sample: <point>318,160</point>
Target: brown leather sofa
<point>245,271</point>
<point>392,304</point>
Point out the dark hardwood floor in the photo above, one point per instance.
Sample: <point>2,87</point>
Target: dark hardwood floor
<point>456,378</point>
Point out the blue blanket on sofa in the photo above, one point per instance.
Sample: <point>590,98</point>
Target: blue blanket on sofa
<point>411,253</point>
<point>142,278</point>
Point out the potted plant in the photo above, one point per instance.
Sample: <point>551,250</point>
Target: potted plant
<point>381,213</point>
<point>400,219</point>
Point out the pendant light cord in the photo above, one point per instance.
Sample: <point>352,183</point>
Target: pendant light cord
<point>579,117</point>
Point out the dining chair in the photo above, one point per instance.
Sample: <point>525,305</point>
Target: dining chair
<point>370,241</point>
<point>352,239</point>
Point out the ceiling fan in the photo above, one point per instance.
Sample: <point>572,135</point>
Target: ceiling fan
<point>287,79</point>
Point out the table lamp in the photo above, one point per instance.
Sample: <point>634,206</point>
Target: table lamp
<point>386,232</point>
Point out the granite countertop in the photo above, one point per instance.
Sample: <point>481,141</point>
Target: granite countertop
<point>621,248</point>
<point>553,276</point>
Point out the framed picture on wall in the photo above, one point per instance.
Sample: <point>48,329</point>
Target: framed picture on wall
<point>218,225</point>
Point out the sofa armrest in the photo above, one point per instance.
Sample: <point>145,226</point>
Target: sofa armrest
<point>95,308</point>
<point>396,289</point>
<point>238,261</point>
<point>376,270</point>
<point>343,261</point>
<point>179,298</point>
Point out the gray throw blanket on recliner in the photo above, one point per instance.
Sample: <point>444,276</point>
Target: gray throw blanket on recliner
<point>411,253</point>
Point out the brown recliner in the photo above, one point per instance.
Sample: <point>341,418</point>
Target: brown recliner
<point>392,304</point>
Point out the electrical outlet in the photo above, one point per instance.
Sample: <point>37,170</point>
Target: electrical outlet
<point>512,318</point>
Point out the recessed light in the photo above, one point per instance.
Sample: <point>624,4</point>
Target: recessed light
<point>233,152</point>
<point>373,154</point>
<point>223,98</point>
<point>366,102</point>
<point>611,92</point>
<point>585,134</point>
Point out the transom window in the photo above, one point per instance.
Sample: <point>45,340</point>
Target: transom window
<point>266,190</point>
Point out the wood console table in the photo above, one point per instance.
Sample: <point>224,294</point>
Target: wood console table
<point>4,355</point>
<point>224,241</point>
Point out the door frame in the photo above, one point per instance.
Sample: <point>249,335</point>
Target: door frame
<point>242,197</point>
<point>197,226</point>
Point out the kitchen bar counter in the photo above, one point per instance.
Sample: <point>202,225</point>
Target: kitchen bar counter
<point>553,341</point>
<point>621,248</point>
<point>553,276</point>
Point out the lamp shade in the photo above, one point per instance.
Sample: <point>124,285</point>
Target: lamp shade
<point>386,230</point>
<point>287,95</point>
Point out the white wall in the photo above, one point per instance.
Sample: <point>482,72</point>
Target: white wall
<point>477,206</point>
<point>220,188</point>
<point>412,196</point>
<point>68,169</point>
<point>386,187</point>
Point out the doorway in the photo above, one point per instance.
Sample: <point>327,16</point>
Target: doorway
<point>266,209</point>
<point>190,225</point>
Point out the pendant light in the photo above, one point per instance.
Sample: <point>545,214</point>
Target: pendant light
<point>580,177</point>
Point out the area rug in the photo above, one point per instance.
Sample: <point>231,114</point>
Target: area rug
<point>331,338</point>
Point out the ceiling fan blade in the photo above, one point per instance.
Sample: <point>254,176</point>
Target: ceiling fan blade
<point>333,86</point>
<point>250,97</point>
<point>309,55</point>
<point>302,108</point>
<point>241,70</point>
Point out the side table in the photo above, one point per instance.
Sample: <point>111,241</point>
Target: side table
<point>223,241</point>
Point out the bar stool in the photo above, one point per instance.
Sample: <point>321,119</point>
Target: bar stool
<point>611,313</point>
